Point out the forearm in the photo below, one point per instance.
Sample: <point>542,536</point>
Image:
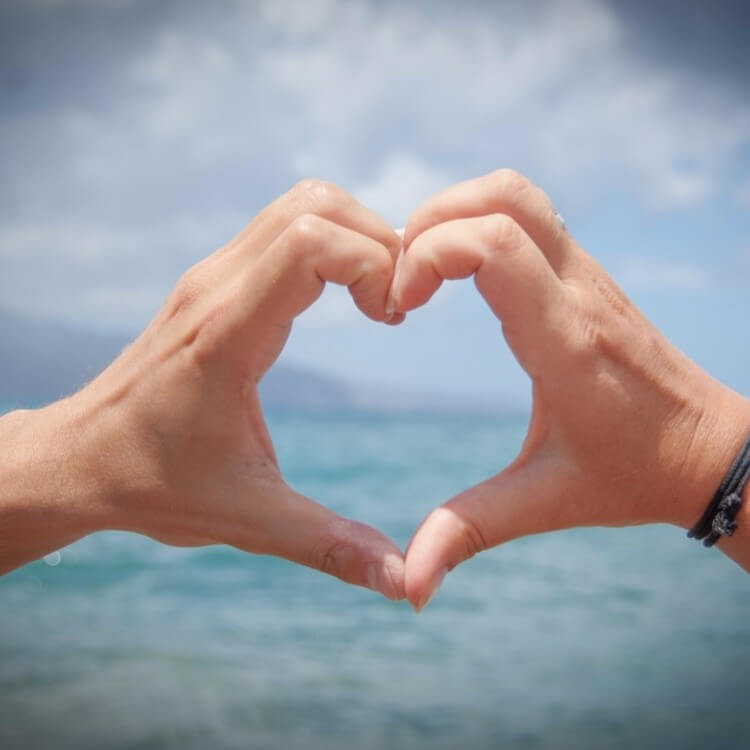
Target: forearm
<point>47,497</point>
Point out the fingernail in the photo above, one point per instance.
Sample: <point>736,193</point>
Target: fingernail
<point>390,305</point>
<point>431,591</point>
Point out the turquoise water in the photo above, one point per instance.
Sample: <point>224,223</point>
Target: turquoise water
<point>585,639</point>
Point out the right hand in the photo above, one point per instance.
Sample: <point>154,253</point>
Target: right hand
<point>624,429</point>
<point>170,440</point>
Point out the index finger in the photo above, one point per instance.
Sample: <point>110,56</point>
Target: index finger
<point>500,192</point>
<point>509,270</point>
<point>318,198</point>
<point>291,274</point>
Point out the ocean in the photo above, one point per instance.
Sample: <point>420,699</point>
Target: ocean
<point>590,638</point>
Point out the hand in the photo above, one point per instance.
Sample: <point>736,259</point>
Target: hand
<point>170,440</point>
<point>624,428</point>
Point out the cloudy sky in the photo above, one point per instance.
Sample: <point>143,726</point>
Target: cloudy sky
<point>136,137</point>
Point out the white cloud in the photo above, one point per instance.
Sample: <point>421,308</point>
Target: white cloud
<point>102,274</point>
<point>215,113</point>
<point>334,88</point>
<point>552,88</point>
<point>401,183</point>
<point>674,188</point>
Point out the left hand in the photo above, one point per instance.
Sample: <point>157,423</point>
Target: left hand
<point>624,428</point>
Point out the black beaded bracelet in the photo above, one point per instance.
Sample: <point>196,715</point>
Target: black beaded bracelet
<point>718,518</point>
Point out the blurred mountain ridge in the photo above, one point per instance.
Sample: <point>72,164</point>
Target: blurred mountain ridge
<point>42,360</point>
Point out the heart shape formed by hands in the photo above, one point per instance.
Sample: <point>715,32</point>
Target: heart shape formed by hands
<point>199,466</point>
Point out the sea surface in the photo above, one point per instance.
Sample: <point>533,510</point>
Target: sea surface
<point>592,638</point>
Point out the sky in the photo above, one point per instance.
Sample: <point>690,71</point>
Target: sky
<point>137,137</point>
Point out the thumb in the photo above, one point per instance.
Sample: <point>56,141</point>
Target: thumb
<point>298,529</point>
<point>519,501</point>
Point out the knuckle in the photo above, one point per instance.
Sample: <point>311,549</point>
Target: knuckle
<point>500,231</point>
<point>331,555</point>
<point>187,290</point>
<point>331,560</point>
<point>204,335</point>
<point>307,186</point>
<point>305,233</point>
<point>371,287</point>
<point>603,321</point>
<point>473,539</point>
<point>379,265</point>
<point>315,195</point>
<point>508,181</point>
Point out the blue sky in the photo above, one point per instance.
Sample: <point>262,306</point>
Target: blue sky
<point>137,137</point>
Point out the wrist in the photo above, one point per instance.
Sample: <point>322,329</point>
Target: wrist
<point>721,431</point>
<point>48,499</point>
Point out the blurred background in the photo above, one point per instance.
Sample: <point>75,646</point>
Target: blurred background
<point>137,137</point>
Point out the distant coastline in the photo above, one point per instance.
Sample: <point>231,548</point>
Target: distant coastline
<point>44,360</point>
